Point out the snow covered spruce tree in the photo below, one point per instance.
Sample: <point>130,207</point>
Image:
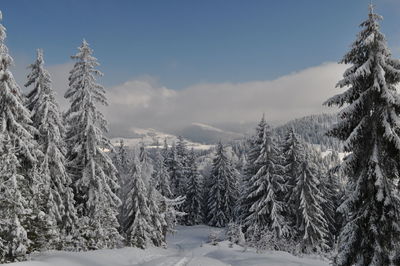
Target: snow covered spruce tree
<point>294,154</point>
<point>145,224</point>
<point>183,157</point>
<point>19,178</point>
<point>146,164</point>
<point>158,217</point>
<point>331,192</point>
<point>121,158</point>
<point>265,191</point>
<point>250,168</point>
<point>122,162</point>
<point>14,239</point>
<point>161,175</point>
<point>137,227</point>
<point>175,170</point>
<point>46,119</point>
<point>369,126</point>
<point>327,172</point>
<point>93,173</point>
<point>223,190</point>
<point>194,193</point>
<point>311,225</point>
<point>155,199</point>
<point>168,205</point>
<point>165,151</point>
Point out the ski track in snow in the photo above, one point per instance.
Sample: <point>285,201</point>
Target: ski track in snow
<point>185,248</point>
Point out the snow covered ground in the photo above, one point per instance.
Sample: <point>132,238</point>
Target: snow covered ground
<point>186,247</point>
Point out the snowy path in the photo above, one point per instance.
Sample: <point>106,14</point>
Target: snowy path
<point>186,248</point>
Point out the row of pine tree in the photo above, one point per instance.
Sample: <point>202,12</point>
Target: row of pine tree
<point>59,187</point>
<point>283,197</point>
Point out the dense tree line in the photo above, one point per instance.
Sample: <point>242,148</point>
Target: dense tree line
<point>272,193</point>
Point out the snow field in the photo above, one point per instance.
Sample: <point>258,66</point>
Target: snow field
<point>187,247</point>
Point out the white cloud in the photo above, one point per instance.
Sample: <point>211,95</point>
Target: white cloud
<point>141,103</point>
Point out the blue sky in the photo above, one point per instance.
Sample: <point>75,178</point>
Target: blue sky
<point>188,42</point>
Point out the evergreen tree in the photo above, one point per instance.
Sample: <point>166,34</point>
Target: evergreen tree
<point>158,218</point>
<point>293,151</point>
<point>170,210</point>
<point>181,150</point>
<point>94,175</point>
<point>329,186</point>
<point>165,151</point>
<point>146,222</point>
<point>18,173</point>
<point>139,225</point>
<point>369,128</point>
<point>250,168</point>
<point>311,224</point>
<point>194,194</point>
<point>335,193</point>
<point>14,239</point>
<point>161,176</point>
<point>168,205</point>
<point>331,192</point>
<point>45,114</point>
<point>121,158</point>
<point>234,234</point>
<point>265,188</point>
<point>183,167</point>
<point>146,165</point>
<point>223,190</point>
<point>122,163</point>
<point>175,171</point>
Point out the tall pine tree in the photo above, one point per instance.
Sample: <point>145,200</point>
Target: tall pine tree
<point>250,168</point>
<point>46,119</point>
<point>265,190</point>
<point>19,179</point>
<point>311,224</point>
<point>138,226</point>
<point>293,151</point>
<point>146,164</point>
<point>122,163</point>
<point>369,128</point>
<point>161,175</point>
<point>223,190</point>
<point>175,170</point>
<point>145,223</point>
<point>194,193</point>
<point>94,175</point>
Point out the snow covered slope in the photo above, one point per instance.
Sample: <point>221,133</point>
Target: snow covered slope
<point>186,247</point>
<point>150,137</point>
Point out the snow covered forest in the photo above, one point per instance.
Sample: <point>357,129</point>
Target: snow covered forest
<point>318,189</point>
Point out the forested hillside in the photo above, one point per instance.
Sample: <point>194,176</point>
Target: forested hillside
<point>313,129</point>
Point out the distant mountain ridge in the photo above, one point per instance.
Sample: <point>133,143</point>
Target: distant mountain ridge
<point>201,136</point>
